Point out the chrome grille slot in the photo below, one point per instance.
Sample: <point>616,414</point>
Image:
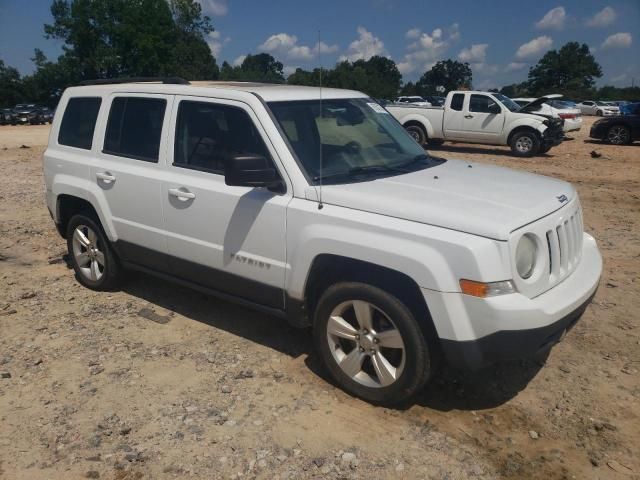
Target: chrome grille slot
<point>562,234</point>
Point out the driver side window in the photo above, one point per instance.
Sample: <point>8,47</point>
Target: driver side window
<point>481,104</point>
<point>208,135</point>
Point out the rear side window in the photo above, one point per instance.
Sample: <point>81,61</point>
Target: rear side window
<point>79,122</point>
<point>208,135</point>
<point>134,128</point>
<point>457,101</point>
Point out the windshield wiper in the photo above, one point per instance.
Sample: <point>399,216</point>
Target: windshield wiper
<point>362,170</point>
<point>417,159</point>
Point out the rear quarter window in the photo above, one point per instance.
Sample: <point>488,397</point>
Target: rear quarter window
<point>79,122</point>
<point>457,101</point>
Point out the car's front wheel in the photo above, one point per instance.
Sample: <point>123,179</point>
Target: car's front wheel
<point>371,343</point>
<point>599,113</point>
<point>524,144</point>
<point>91,254</point>
<point>618,135</point>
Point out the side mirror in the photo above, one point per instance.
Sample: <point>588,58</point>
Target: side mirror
<point>251,171</point>
<point>494,109</point>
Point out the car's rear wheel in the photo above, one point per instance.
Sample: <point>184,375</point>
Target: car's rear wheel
<point>371,343</point>
<point>417,132</point>
<point>618,135</point>
<point>524,144</point>
<point>91,254</point>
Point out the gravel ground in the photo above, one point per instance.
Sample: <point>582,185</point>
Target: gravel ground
<point>156,381</point>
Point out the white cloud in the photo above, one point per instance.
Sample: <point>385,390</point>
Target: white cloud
<point>287,45</point>
<point>515,66</point>
<point>476,53</point>
<point>366,46</point>
<point>427,49</point>
<point>534,47</point>
<point>278,43</point>
<point>485,68</point>
<point>288,70</point>
<point>216,8</point>
<point>553,19</point>
<point>618,40</point>
<point>238,61</point>
<point>603,18</point>
<point>413,33</point>
<point>215,42</point>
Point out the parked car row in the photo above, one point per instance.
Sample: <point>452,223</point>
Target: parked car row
<point>26,113</point>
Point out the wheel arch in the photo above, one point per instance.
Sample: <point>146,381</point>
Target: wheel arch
<point>523,128</point>
<point>68,205</point>
<point>328,269</point>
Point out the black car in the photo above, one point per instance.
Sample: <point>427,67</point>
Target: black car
<point>27,113</point>
<point>435,101</point>
<point>47,114</point>
<point>619,129</point>
<point>6,116</point>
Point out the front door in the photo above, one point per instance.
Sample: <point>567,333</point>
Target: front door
<point>483,119</point>
<point>230,239</point>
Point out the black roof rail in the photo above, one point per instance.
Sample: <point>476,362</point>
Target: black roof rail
<point>109,81</point>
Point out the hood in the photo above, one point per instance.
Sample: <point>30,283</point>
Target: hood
<point>468,197</point>
<point>539,101</point>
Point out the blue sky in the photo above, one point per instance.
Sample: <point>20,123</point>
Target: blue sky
<point>500,39</point>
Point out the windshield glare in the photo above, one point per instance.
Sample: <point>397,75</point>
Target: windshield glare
<point>507,102</point>
<point>354,134</point>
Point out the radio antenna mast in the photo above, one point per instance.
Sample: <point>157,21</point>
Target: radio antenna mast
<point>320,205</point>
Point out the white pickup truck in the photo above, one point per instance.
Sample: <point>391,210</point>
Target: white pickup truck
<point>482,117</point>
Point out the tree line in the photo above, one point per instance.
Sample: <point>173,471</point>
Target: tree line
<point>137,38</point>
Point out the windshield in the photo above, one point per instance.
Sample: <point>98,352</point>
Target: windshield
<point>507,102</point>
<point>358,138</point>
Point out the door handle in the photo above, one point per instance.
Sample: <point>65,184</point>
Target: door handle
<point>106,177</point>
<point>468,116</point>
<point>182,194</point>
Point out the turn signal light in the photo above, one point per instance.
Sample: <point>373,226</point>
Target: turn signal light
<point>483,290</point>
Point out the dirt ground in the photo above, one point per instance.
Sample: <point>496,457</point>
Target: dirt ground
<point>92,385</point>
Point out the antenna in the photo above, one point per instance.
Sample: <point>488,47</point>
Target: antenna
<point>320,205</point>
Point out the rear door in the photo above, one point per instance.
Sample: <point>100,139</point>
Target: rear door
<point>480,123</point>
<point>230,239</point>
<point>453,117</point>
<point>128,173</point>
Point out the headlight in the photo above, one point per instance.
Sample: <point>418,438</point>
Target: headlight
<point>526,255</point>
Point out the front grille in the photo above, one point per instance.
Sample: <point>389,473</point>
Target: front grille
<point>565,245</point>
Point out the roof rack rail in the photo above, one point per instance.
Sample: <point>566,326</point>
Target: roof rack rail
<point>109,81</point>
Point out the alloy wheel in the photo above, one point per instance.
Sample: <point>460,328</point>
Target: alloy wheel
<point>366,344</point>
<point>618,135</point>
<point>88,253</point>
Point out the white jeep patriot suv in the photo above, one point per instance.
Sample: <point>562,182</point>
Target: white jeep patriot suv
<point>318,206</point>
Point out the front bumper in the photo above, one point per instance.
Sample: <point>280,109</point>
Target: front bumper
<point>598,131</point>
<point>552,136</point>
<point>476,332</point>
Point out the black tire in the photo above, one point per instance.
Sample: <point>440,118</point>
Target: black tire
<point>520,140</point>
<point>618,135</point>
<point>417,366</point>
<point>417,132</point>
<point>435,142</point>
<point>599,113</point>
<point>111,272</point>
